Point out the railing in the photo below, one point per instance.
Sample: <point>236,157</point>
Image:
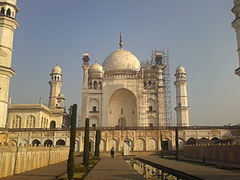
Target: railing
<point>152,170</point>
<point>125,128</point>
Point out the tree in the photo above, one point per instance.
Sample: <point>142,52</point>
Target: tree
<point>86,145</point>
<point>97,144</point>
<point>70,161</point>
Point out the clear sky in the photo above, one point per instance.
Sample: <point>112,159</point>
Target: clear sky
<point>198,35</point>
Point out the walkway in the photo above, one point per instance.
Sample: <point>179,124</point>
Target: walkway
<point>113,168</point>
<point>44,173</point>
<point>204,172</point>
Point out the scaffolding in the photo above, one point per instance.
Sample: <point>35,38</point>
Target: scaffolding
<point>166,81</point>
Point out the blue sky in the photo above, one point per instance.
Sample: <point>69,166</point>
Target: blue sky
<point>198,35</point>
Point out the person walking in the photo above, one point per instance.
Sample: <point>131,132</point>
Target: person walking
<point>112,152</point>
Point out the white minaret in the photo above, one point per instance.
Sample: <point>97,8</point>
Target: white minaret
<point>8,25</point>
<point>181,97</point>
<point>236,26</point>
<point>56,98</point>
<point>84,104</point>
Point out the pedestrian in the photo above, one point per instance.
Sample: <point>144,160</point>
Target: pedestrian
<point>112,152</point>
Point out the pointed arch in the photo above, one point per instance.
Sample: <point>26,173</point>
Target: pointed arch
<point>2,11</point>
<point>8,12</point>
<point>36,142</point>
<point>16,122</point>
<point>31,120</point>
<point>95,85</point>
<point>140,145</point>
<point>52,124</point>
<point>48,142</point>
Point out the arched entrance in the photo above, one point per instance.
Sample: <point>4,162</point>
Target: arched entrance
<point>60,142</point>
<point>151,144</point>
<point>102,145</point>
<point>139,145</point>
<point>36,142</point>
<point>122,122</point>
<point>52,125</point>
<point>48,142</point>
<point>122,109</point>
<point>191,141</point>
<point>127,147</point>
<point>166,145</point>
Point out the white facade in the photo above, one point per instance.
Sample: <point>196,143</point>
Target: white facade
<point>8,25</point>
<point>236,26</point>
<point>34,116</point>
<point>182,107</point>
<point>122,92</point>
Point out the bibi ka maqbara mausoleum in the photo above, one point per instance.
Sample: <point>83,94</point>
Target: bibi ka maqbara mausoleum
<point>127,99</point>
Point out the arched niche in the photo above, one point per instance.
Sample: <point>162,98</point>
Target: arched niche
<point>122,104</point>
<point>48,142</point>
<point>60,142</point>
<point>139,145</point>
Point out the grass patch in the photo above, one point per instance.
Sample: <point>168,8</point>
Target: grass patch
<point>80,171</point>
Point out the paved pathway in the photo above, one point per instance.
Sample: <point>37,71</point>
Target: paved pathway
<point>205,172</point>
<point>113,168</point>
<point>44,173</point>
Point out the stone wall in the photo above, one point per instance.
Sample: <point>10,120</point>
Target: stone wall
<point>218,152</point>
<point>15,160</point>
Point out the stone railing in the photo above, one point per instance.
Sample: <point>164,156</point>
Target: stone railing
<point>218,152</point>
<point>15,160</point>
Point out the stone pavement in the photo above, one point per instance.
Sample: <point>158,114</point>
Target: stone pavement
<point>113,168</point>
<point>204,172</point>
<point>44,173</point>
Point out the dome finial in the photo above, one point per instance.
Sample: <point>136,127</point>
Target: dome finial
<point>121,42</point>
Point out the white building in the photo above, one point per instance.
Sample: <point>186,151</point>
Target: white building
<point>122,92</point>
<point>39,115</point>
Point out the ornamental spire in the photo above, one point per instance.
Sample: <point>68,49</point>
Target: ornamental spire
<point>121,42</point>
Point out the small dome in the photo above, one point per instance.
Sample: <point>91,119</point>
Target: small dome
<point>121,60</point>
<point>56,70</point>
<point>97,68</point>
<point>180,69</point>
<point>85,54</point>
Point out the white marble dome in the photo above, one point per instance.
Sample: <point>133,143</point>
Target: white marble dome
<point>97,68</point>
<point>56,70</point>
<point>121,60</point>
<point>180,69</point>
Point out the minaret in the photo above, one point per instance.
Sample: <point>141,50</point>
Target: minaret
<point>85,67</point>
<point>236,26</point>
<point>182,107</point>
<point>55,88</point>
<point>8,25</point>
<point>85,85</point>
